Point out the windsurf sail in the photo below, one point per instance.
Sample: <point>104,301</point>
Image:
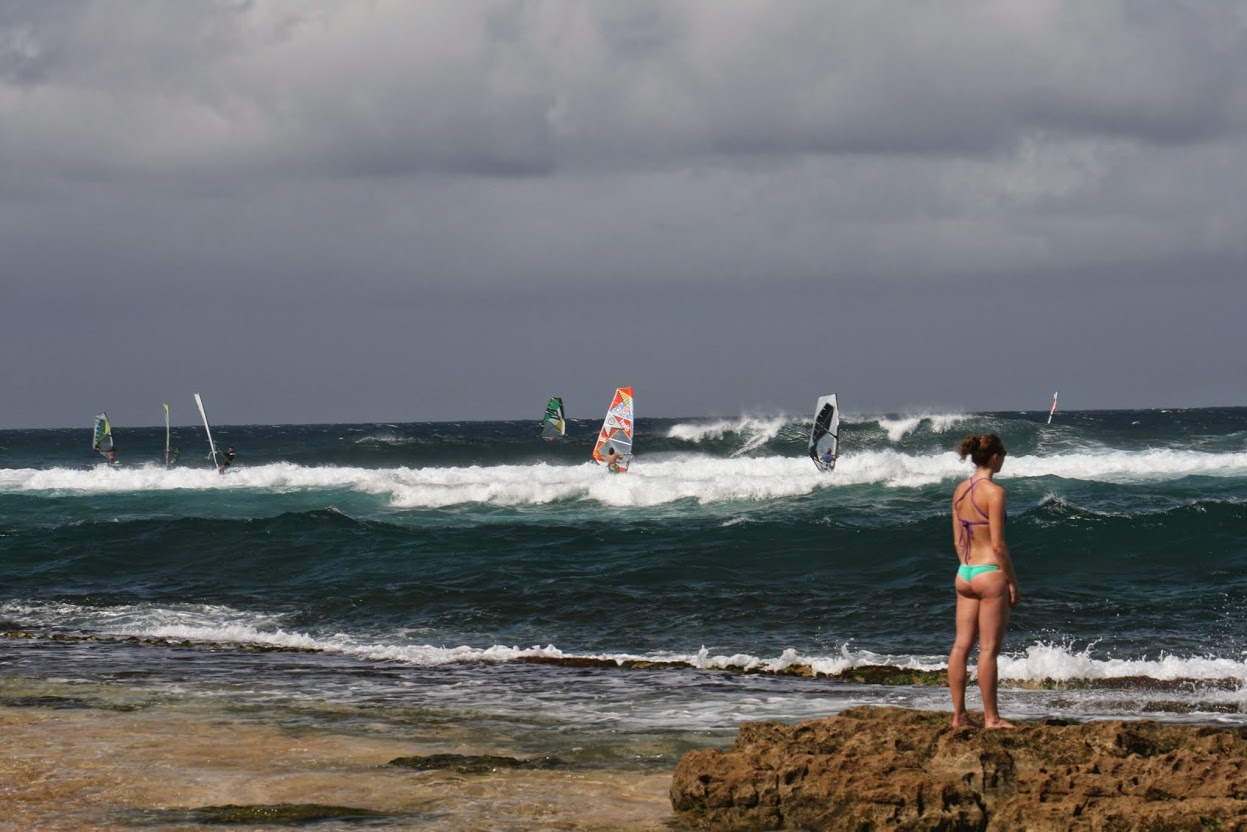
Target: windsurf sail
<point>553,425</point>
<point>166,434</point>
<point>1053,408</point>
<point>825,433</point>
<point>616,433</point>
<point>211,445</point>
<point>102,437</point>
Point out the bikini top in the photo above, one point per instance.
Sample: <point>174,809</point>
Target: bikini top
<point>967,526</point>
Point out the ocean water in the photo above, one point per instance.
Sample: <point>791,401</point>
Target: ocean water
<point>457,574</point>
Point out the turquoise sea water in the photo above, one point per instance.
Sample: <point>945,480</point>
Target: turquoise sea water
<point>423,566</point>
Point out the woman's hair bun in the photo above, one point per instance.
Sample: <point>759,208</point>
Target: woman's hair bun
<point>980,447</point>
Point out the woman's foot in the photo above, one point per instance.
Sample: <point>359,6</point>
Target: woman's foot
<point>1000,723</point>
<point>964,721</point>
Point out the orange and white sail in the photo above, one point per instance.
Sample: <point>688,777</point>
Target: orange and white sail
<point>616,430</point>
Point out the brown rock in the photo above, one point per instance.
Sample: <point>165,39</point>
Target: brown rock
<point>888,768</point>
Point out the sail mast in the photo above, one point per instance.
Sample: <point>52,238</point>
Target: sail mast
<point>211,445</point>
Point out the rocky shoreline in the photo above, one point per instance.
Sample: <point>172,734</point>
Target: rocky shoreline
<point>888,768</point>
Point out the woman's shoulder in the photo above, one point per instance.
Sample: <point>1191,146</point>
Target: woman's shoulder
<point>981,485</point>
<point>993,490</point>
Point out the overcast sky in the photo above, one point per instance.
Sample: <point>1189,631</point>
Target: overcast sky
<point>323,210</point>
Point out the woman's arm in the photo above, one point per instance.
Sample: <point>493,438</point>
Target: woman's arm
<point>996,525</point>
<point>956,527</point>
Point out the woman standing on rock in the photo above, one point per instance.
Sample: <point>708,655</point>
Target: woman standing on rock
<point>987,587</point>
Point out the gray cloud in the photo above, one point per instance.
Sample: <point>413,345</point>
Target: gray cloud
<point>534,88</point>
<point>166,161</point>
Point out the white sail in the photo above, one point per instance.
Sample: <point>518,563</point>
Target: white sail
<point>211,445</point>
<point>825,433</point>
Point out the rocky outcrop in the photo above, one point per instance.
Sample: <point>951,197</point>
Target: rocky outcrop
<point>887,768</point>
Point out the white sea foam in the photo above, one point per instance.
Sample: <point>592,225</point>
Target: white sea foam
<point>1129,466</point>
<point>654,482</point>
<point>143,619</point>
<point>753,431</point>
<point>897,428</point>
<point>1062,664</point>
<point>224,625</point>
<point>387,437</point>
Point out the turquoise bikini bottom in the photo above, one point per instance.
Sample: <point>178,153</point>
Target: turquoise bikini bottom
<point>967,572</point>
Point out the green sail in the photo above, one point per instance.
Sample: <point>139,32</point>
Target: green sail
<point>103,438</point>
<point>553,425</point>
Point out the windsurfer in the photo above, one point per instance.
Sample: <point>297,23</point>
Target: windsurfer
<point>612,460</point>
<point>824,433</point>
<point>229,458</point>
<point>173,457</point>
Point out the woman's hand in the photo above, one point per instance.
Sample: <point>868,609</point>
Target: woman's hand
<point>1015,593</point>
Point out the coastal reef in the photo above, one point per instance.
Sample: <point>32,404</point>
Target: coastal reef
<point>889,768</point>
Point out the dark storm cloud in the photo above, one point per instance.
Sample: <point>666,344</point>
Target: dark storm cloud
<point>530,88</point>
<point>283,163</point>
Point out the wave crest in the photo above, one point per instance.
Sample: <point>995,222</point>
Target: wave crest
<point>755,431</point>
<point>1042,663</point>
<point>656,481</point>
<point>900,427</point>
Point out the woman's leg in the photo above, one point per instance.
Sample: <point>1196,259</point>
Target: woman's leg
<point>967,632</point>
<point>993,619</point>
